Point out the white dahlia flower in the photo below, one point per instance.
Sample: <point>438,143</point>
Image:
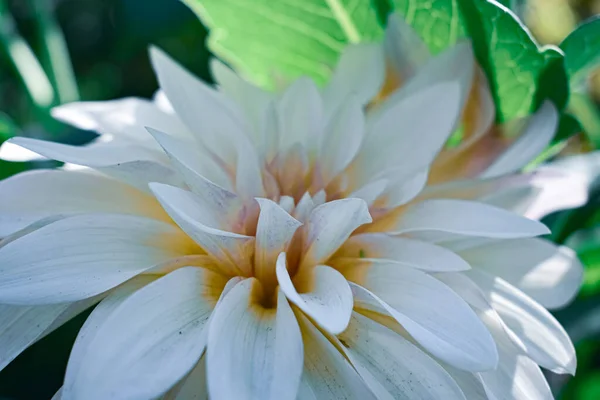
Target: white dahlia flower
<point>248,245</point>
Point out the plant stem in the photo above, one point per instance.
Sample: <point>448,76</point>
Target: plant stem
<point>55,54</point>
<point>24,61</point>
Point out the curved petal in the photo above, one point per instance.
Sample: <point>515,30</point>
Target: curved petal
<point>397,368</point>
<point>34,195</point>
<point>342,139</point>
<point>550,274</point>
<point>469,383</point>
<point>202,224</point>
<point>195,164</point>
<point>329,225</point>
<point>540,130</point>
<point>132,164</point>
<point>255,352</point>
<point>359,72</point>
<point>371,191</point>
<point>545,341</point>
<point>21,326</point>
<point>57,395</point>
<point>327,374</point>
<point>404,49</point>
<point>252,99</point>
<point>12,152</point>
<point>517,377</point>
<point>432,313</point>
<point>385,149</point>
<point>466,218</point>
<point>455,64</point>
<point>124,118</point>
<point>557,190</point>
<point>90,328</point>
<point>326,297</point>
<point>82,256</point>
<point>211,117</point>
<point>274,231</point>
<point>404,251</point>
<point>400,192</point>
<point>151,340</point>
<point>300,110</point>
<point>193,386</point>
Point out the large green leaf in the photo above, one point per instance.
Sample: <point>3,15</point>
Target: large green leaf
<point>279,40</point>
<point>271,40</point>
<point>582,51</point>
<point>518,69</point>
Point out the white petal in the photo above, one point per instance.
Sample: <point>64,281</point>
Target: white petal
<point>537,135</point>
<point>546,342</point>
<point>151,340</point>
<point>558,190</point>
<point>33,195</point>
<point>327,374</point>
<point>162,102</point>
<point>469,383</point>
<point>404,251</point>
<point>123,118</point>
<point>254,352</point>
<point>371,191</point>
<point>517,200</point>
<point>198,220</point>
<point>248,176</point>
<point>329,225</point>
<point>21,326</point>
<point>193,386</point>
<point>217,200</point>
<point>432,313</point>
<point>391,142</point>
<point>211,117</point>
<point>272,127</point>
<point>301,110</point>
<point>274,232</point>
<point>96,319</point>
<point>304,207</point>
<point>287,203</point>
<point>474,189</point>
<point>81,256</point>
<point>57,395</point>
<point>194,163</point>
<point>252,99</point>
<point>131,164</point>
<point>342,139</point>
<point>460,217</point>
<point>455,64</point>
<point>517,377</point>
<point>466,288</point>
<point>550,274</point>
<point>397,367</point>
<point>404,49</point>
<point>13,152</point>
<point>324,295</point>
<point>401,191</point>
<point>360,71</point>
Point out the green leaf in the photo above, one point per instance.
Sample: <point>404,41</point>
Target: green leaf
<point>518,70</point>
<point>583,107</point>
<point>270,41</point>
<point>582,51</point>
<point>8,128</point>
<point>273,41</point>
<point>587,245</point>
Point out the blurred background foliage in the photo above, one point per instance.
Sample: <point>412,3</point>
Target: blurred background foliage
<point>57,51</point>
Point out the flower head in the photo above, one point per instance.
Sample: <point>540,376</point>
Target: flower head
<point>244,244</point>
